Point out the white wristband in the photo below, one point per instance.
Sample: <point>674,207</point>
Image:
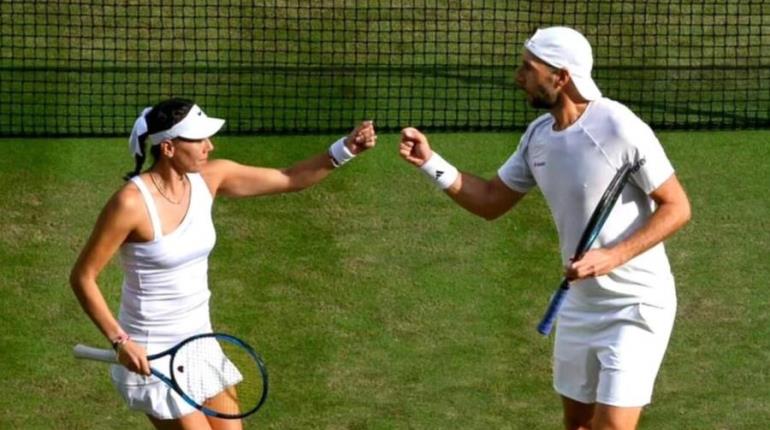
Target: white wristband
<point>339,153</point>
<point>440,171</point>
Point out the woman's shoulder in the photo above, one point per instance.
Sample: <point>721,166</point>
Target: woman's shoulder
<point>127,199</point>
<point>123,211</point>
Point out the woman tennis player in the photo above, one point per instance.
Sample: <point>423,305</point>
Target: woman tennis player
<point>160,223</point>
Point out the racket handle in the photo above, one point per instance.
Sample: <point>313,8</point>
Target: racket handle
<point>98,354</point>
<point>546,324</point>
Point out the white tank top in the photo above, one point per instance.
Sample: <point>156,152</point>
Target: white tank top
<point>165,294</point>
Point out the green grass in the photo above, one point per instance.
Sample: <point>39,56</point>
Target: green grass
<point>376,302</point>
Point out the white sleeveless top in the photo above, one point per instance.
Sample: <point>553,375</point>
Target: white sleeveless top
<point>165,294</point>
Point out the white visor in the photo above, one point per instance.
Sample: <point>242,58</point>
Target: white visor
<point>195,126</point>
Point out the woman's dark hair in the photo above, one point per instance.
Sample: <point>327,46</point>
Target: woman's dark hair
<point>163,116</point>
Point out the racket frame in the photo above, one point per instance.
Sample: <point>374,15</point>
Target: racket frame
<point>109,356</point>
<point>590,233</point>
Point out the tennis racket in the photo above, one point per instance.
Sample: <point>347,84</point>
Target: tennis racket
<point>594,226</point>
<point>203,366</point>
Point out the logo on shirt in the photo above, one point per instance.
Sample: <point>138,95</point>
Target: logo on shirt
<point>539,163</point>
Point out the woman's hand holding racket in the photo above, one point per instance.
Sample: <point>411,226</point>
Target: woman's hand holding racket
<point>133,357</point>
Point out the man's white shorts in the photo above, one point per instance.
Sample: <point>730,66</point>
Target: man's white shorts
<point>611,356</point>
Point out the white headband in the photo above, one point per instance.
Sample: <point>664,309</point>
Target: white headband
<point>195,126</point>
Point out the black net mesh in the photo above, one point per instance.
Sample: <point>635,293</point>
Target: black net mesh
<point>88,67</point>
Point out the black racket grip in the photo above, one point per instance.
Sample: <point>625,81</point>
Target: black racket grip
<point>546,324</point>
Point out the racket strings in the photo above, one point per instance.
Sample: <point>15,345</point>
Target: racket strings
<point>219,375</point>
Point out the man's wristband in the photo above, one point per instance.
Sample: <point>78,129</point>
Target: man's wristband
<point>339,154</point>
<point>440,171</point>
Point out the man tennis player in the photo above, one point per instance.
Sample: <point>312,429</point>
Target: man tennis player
<point>614,326</point>
<point>160,223</point>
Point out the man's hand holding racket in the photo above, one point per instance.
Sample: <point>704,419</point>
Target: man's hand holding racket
<point>596,262</point>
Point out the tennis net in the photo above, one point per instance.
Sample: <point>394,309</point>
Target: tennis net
<point>85,67</point>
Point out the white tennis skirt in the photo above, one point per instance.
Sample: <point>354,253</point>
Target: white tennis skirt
<point>149,394</point>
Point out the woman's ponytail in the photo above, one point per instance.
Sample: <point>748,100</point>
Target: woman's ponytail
<point>137,143</point>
